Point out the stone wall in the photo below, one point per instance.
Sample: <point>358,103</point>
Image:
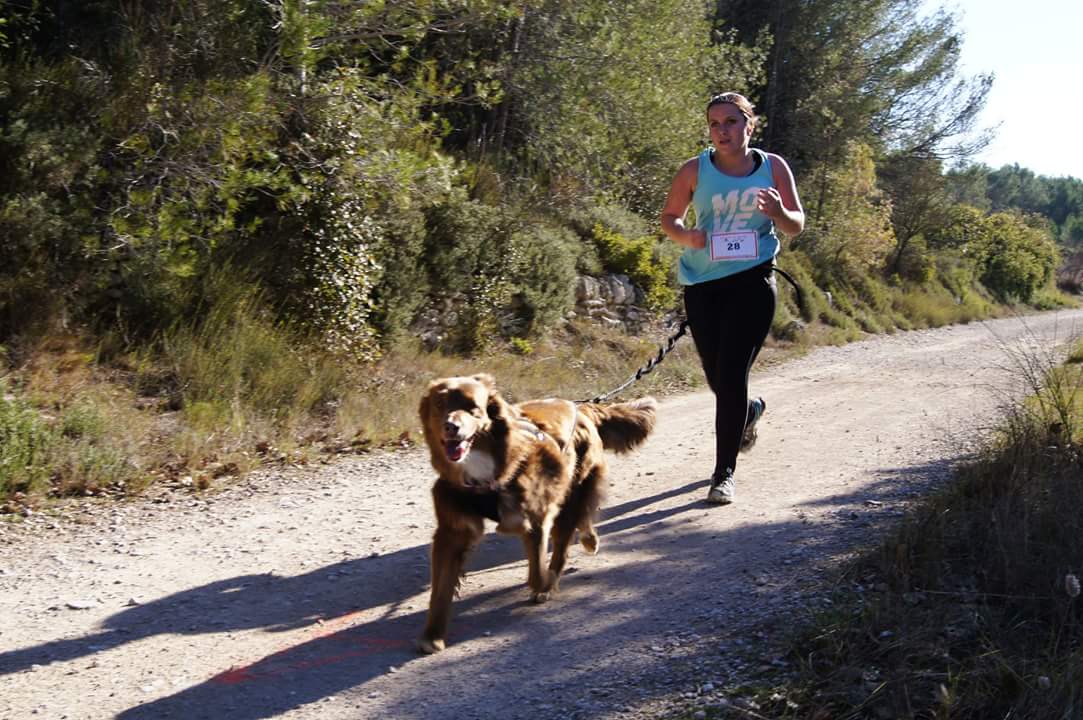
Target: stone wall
<point>609,299</point>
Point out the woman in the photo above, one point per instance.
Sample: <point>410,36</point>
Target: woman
<point>740,196</point>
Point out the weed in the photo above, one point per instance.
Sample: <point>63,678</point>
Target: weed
<point>978,588</point>
<point>26,441</point>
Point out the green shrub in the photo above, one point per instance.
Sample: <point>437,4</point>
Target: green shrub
<point>612,217</point>
<point>82,420</point>
<point>799,267</point>
<point>26,442</point>
<point>84,466</point>
<point>1016,259</point>
<point>521,346</point>
<point>543,277</point>
<point>784,326</point>
<point>638,260</point>
<point>237,356</point>
<point>470,259</point>
<point>915,263</point>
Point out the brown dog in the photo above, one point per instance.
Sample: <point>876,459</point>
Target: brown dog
<point>537,468</point>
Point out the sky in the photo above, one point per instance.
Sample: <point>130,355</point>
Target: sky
<point>1035,49</point>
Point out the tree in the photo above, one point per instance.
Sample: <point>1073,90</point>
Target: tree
<point>600,98</point>
<point>920,201</point>
<point>852,232</point>
<point>1016,259</point>
<point>877,72</point>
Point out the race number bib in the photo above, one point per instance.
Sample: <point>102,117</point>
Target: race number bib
<point>743,245</point>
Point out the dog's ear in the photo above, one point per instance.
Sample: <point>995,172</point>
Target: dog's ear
<point>487,380</point>
<point>423,408</point>
<point>496,408</point>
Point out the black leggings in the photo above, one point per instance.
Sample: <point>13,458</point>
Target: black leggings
<point>730,318</point>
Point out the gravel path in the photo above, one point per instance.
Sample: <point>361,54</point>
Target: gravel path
<point>298,592</point>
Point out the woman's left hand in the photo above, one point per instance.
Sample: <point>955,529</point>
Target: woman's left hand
<point>769,202</point>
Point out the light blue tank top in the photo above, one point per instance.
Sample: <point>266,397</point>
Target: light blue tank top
<point>726,204</point>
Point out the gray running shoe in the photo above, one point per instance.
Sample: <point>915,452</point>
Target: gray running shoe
<point>721,492</point>
<point>756,409</point>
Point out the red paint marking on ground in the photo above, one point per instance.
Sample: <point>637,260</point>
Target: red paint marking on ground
<point>279,664</point>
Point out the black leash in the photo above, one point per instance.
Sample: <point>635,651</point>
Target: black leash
<point>651,365</point>
<point>672,341</point>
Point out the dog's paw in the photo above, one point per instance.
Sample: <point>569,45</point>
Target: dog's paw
<point>589,541</point>
<point>540,597</point>
<point>429,646</point>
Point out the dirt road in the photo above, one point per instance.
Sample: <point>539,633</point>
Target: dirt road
<point>298,593</point>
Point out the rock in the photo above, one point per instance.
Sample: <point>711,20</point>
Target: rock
<point>586,288</point>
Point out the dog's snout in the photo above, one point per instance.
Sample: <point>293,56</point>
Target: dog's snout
<point>451,428</point>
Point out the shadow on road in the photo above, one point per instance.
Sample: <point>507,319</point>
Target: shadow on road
<point>527,646</point>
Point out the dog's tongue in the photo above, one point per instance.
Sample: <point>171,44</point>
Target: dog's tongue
<point>456,450</point>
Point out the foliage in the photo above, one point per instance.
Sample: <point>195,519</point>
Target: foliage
<point>25,444</point>
<point>882,73</point>
<point>1015,259</point>
<point>544,275</point>
<point>979,587</point>
<point>603,99</point>
<point>638,259</point>
<point>850,234</point>
<point>269,371</point>
<point>493,274</point>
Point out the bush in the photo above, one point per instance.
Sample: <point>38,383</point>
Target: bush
<point>543,277</point>
<point>640,262</point>
<point>914,263</point>
<point>1016,259</point>
<point>26,442</point>
<point>612,217</point>
<point>470,261</point>
<point>236,366</point>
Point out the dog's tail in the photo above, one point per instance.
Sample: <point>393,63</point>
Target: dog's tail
<point>623,426</point>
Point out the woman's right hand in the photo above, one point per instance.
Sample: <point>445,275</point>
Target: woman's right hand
<point>695,239</point>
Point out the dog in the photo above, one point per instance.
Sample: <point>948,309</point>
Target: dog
<point>537,468</point>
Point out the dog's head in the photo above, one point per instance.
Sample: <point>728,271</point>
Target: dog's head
<point>455,412</point>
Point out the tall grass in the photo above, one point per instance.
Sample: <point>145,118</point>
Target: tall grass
<point>26,442</point>
<point>976,612</point>
<point>230,387</point>
<point>72,453</point>
<point>238,376</point>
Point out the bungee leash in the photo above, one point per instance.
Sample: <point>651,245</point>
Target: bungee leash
<point>672,342</point>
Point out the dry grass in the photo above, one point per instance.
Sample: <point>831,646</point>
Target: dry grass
<point>971,609</point>
<point>233,393</point>
<point>233,390</point>
<point>579,363</point>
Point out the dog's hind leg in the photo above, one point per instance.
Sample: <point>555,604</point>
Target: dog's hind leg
<point>449,550</point>
<point>591,500</point>
<point>588,537</point>
<point>562,537</point>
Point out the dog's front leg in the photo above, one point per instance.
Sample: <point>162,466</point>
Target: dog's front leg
<point>450,546</point>
<point>536,542</point>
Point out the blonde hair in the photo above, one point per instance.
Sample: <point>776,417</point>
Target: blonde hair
<point>737,100</point>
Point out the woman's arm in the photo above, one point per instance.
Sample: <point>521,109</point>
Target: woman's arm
<point>677,202</point>
<point>781,202</point>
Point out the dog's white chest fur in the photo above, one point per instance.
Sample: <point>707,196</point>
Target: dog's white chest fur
<point>480,466</point>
